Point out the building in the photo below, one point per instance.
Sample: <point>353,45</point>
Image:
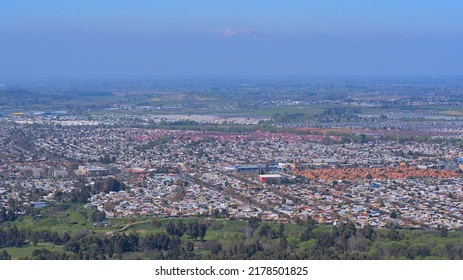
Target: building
<point>60,174</point>
<point>92,171</point>
<point>245,168</point>
<point>270,178</point>
<point>324,161</point>
<point>38,204</point>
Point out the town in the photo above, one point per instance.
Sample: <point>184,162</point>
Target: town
<point>354,172</point>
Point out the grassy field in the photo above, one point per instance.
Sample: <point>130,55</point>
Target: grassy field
<point>73,220</point>
<point>26,251</point>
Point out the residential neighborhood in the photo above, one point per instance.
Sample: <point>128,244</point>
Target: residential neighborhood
<point>270,175</point>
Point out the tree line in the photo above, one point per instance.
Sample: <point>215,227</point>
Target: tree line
<point>177,239</point>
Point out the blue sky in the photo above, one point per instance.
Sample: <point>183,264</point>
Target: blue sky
<point>146,39</point>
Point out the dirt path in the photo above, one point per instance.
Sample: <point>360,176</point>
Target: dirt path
<point>127,226</point>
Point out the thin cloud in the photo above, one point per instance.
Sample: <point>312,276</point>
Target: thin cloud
<point>230,32</point>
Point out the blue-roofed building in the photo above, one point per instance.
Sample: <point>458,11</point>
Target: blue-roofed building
<point>375,213</point>
<point>38,204</point>
<point>245,168</point>
<point>248,168</point>
<point>274,168</point>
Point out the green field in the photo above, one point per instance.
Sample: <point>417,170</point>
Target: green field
<point>73,220</point>
<point>18,253</point>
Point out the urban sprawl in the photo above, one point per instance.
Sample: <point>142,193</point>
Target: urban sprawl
<point>272,175</point>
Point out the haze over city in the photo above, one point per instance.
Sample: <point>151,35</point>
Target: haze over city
<point>145,39</point>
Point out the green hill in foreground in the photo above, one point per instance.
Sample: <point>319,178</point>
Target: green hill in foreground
<point>71,234</point>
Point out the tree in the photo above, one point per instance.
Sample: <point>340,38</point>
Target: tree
<point>58,194</point>
<point>3,215</point>
<point>394,235</point>
<point>202,231</point>
<point>253,222</point>
<point>80,195</point>
<point>66,237</point>
<point>35,238</point>
<point>265,230</point>
<point>189,246</point>
<point>367,231</point>
<point>108,185</point>
<point>308,234</point>
<point>98,216</point>
<point>281,230</point>
<point>193,230</point>
<point>45,254</point>
<point>214,247</point>
<point>283,243</point>
<point>4,255</point>
<point>105,159</point>
<point>176,228</point>
<point>444,231</point>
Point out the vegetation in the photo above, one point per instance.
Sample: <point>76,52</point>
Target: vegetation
<point>195,238</point>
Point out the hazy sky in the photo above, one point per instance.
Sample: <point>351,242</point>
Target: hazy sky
<point>93,39</point>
